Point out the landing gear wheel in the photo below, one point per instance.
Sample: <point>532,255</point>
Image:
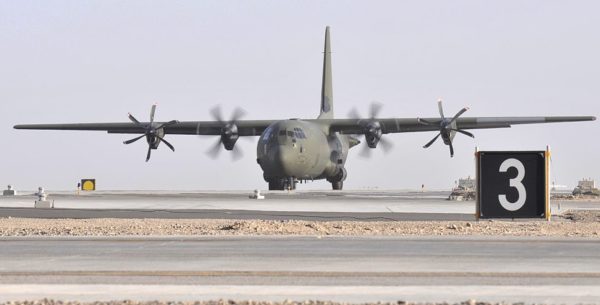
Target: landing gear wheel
<point>338,185</point>
<point>337,181</point>
<point>276,185</point>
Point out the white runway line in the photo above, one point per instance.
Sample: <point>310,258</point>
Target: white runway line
<point>549,294</point>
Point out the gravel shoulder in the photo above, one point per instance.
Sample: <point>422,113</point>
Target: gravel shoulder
<point>570,223</point>
<point>249,302</point>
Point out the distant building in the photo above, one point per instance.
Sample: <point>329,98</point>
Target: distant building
<point>586,185</point>
<point>467,184</point>
<point>560,187</point>
<point>465,190</point>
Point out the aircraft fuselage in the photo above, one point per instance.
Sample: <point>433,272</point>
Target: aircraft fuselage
<point>292,150</point>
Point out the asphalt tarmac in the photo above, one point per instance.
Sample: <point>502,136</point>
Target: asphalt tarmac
<point>227,214</point>
<point>347,269</point>
<point>425,269</point>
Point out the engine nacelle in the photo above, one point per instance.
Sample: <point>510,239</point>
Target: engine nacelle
<point>152,137</point>
<point>229,135</point>
<point>447,131</point>
<point>373,134</point>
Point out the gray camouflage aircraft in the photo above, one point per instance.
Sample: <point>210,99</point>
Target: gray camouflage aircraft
<point>296,150</point>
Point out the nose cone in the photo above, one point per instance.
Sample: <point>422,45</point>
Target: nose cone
<point>281,162</point>
<point>285,158</point>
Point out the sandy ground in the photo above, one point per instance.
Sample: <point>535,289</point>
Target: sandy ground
<point>579,223</point>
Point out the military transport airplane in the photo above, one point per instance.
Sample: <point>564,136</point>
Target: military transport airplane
<point>297,149</point>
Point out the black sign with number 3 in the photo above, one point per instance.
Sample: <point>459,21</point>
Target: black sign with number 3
<point>512,184</point>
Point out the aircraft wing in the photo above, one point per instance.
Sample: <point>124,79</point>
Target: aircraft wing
<point>344,126</point>
<point>397,125</point>
<point>245,127</point>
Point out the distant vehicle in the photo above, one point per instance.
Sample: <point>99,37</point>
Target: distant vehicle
<point>297,149</point>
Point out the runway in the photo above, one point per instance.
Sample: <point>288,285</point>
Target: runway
<point>422,269</point>
<point>346,269</point>
<point>305,205</point>
<point>228,214</point>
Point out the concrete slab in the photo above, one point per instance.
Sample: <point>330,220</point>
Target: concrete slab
<point>393,205</point>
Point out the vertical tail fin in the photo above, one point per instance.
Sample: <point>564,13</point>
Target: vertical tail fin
<point>326,90</point>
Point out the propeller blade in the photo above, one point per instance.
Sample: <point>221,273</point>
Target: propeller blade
<point>169,123</point>
<point>214,151</point>
<point>385,144</point>
<point>451,149</point>
<point>238,113</point>
<point>134,139</point>
<point>237,153</point>
<point>216,113</point>
<point>152,111</point>
<point>134,120</point>
<point>365,152</point>
<point>464,132</point>
<point>441,109</point>
<point>166,143</point>
<point>432,140</point>
<point>458,114</point>
<point>353,114</point>
<point>149,152</point>
<point>375,109</point>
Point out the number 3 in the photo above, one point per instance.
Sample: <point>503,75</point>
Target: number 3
<point>516,183</point>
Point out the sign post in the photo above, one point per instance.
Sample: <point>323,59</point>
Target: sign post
<point>513,184</point>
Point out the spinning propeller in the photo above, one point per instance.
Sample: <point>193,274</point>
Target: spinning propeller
<point>154,132</point>
<point>229,133</point>
<point>371,130</point>
<point>447,128</point>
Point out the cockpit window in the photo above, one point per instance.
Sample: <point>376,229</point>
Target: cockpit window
<point>299,133</point>
<point>267,134</point>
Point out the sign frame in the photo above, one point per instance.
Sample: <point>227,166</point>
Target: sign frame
<point>546,182</point>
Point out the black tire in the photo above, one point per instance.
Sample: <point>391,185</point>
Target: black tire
<point>337,186</point>
<point>276,185</point>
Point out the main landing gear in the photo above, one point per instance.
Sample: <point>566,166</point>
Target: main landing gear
<point>337,181</point>
<point>337,186</point>
<point>288,184</point>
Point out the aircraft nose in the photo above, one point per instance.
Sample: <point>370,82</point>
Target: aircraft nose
<point>283,158</point>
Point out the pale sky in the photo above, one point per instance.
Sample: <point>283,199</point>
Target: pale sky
<point>95,61</point>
